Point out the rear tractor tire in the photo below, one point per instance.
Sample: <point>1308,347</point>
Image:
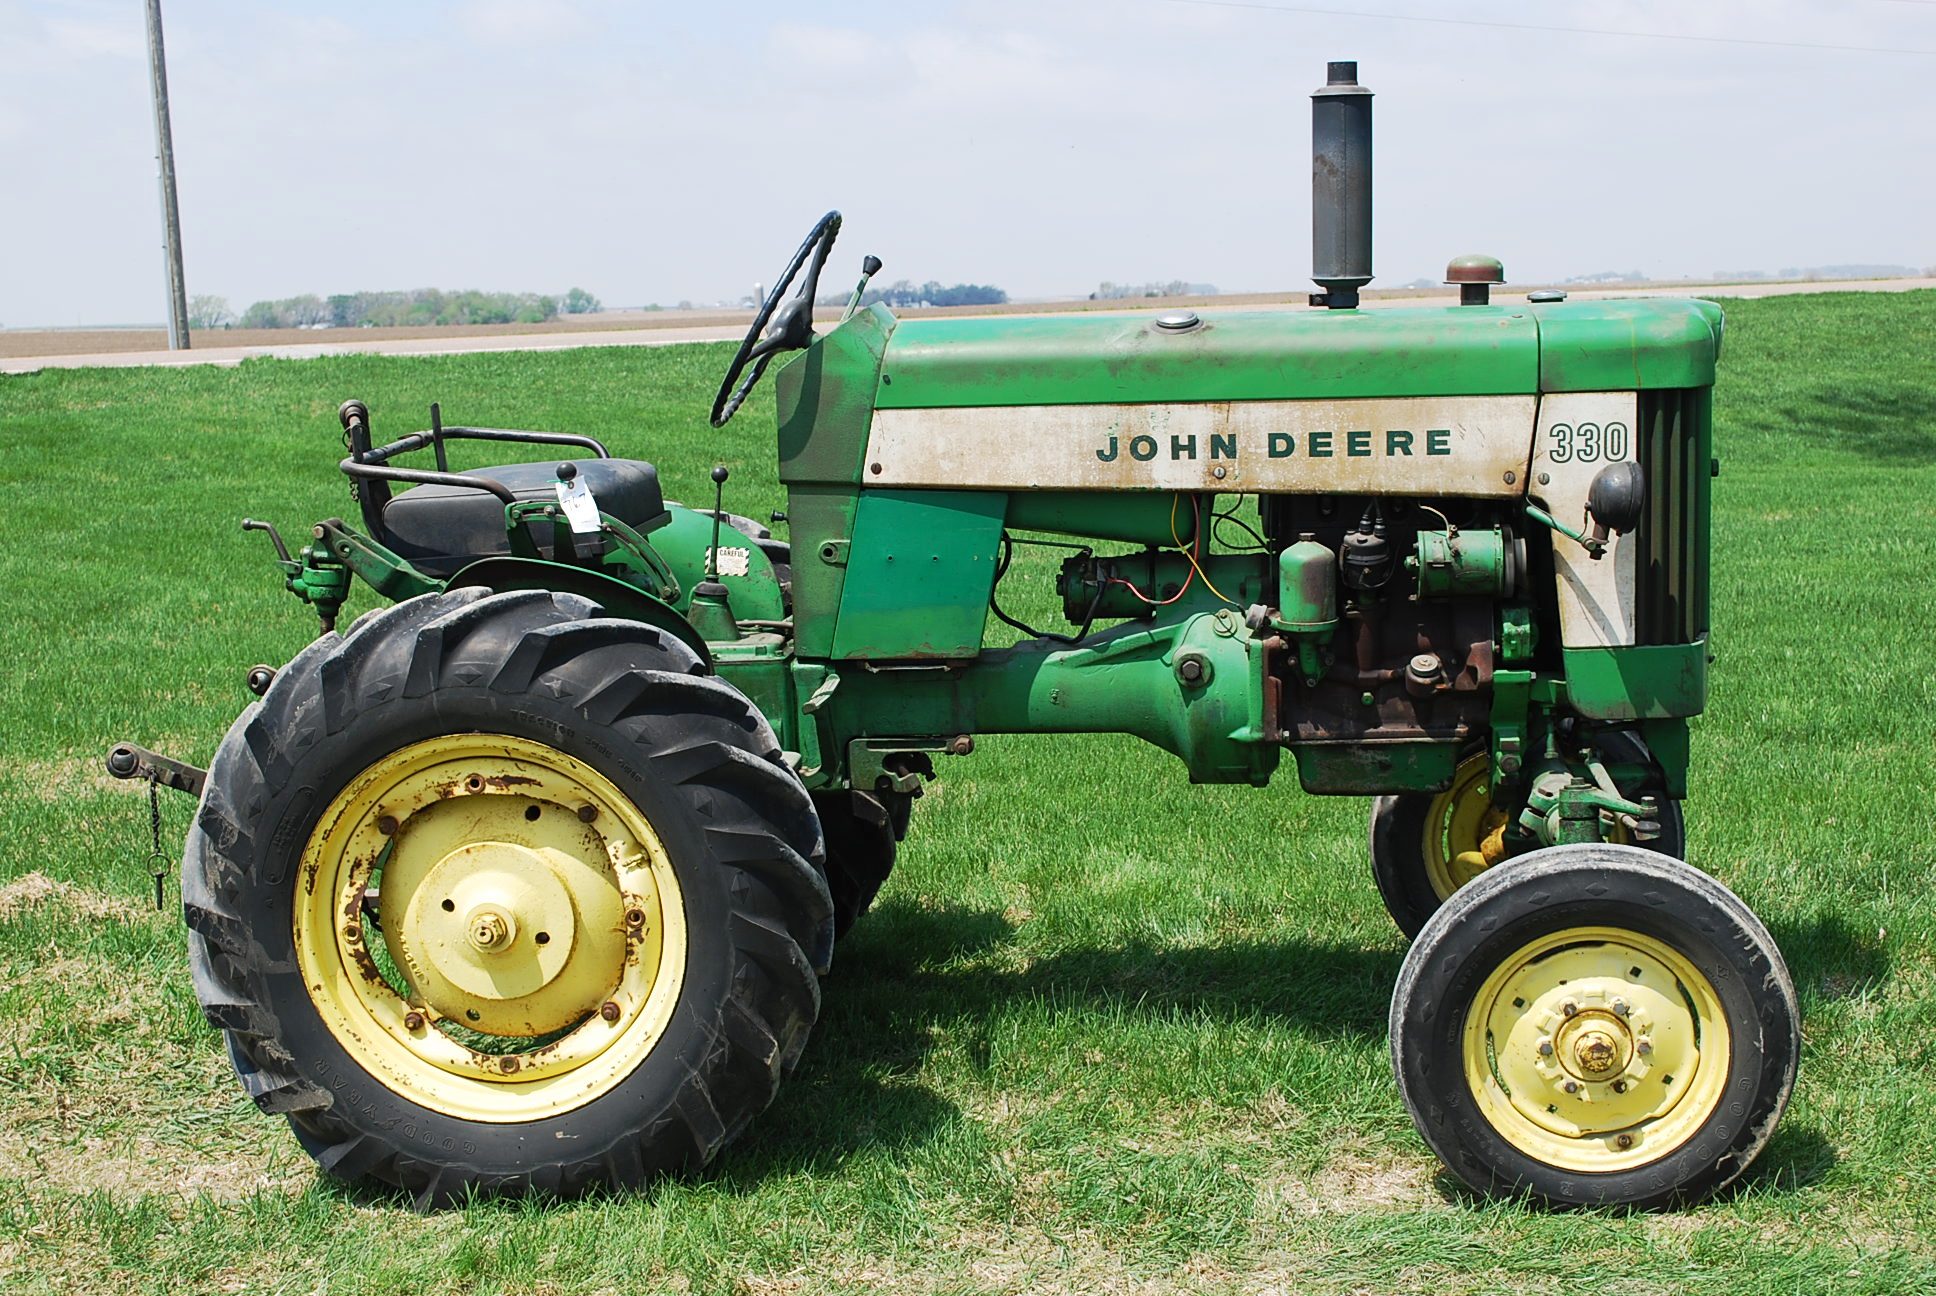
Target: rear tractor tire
<point>496,893</point>
<point>1595,1025</point>
<point>1426,845</point>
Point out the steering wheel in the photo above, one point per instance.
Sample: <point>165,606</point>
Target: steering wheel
<point>791,325</point>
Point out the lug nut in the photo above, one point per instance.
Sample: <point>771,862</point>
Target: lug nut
<point>387,825</point>
<point>1644,1047</point>
<point>1620,1086</point>
<point>507,1065</point>
<point>1622,1007</point>
<point>1546,1048</point>
<point>1572,1086</point>
<point>587,813</point>
<point>1623,1141</point>
<point>635,917</point>
<point>1570,1008</point>
<point>609,1012</point>
<point>413,1021</point>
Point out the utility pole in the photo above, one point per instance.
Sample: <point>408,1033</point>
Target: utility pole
<point>170,212</point>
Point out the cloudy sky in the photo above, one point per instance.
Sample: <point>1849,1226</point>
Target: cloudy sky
<point>659,152</point>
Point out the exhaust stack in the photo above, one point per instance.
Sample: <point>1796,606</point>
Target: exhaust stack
<point>1340,188</point>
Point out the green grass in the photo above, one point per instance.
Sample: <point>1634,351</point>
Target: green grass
<point>1104,1032</point>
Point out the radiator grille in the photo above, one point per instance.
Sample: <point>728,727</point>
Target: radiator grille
<point>1675,445</point>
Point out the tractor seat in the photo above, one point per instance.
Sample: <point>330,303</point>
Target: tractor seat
<point>439,529</point>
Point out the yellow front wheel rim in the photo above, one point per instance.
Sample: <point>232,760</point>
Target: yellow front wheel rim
<point>490,927</point>
<point>1465,834</point>
<point>1597,1049</point>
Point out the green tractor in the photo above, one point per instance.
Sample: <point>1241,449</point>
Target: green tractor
<point>526,879</point>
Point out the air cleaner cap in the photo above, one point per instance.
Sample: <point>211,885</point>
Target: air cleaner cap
<point>1475,268</point>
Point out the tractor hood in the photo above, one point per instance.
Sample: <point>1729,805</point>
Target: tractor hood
<point>1119,358</point>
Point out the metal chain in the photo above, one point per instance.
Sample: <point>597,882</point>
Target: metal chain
<point>349,448</point>
<point>157,858</point>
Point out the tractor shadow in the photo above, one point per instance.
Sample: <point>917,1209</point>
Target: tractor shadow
<point>1830,960</point>
<point>910,977</point>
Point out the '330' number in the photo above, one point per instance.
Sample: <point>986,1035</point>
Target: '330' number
<point>1587,442</point>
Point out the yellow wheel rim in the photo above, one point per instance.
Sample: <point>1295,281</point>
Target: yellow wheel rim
<point>1465,834</point>
<point>1597,1049</point>
<point>490,927</point>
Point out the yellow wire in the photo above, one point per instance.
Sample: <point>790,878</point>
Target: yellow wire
<point>1201,574</point>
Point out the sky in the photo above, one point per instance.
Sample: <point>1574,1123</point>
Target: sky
<point>655,152</point>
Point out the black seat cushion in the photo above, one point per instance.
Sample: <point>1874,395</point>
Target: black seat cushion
<point>440,528</point>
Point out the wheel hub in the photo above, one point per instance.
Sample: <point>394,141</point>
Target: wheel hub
<point>1589,1048</point>
<point>491,926</point>
<point>492,937</point>
<point>1594,1052</point>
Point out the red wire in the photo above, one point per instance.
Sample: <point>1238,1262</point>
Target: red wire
<point>1196,542</point>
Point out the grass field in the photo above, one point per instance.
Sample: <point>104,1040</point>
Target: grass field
<point>1105,1032</point>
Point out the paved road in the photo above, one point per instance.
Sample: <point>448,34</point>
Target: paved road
<point>723,333</point>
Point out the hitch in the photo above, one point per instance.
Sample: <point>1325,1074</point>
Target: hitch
<point>128,761</point>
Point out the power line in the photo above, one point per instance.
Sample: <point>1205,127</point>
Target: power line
<point>1541,27</point>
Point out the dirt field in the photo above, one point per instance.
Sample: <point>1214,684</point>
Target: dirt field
<point>106,341</point>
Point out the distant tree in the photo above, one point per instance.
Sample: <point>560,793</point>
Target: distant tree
<point>580,302</point>
<point>414,307</point>
<point>932,293</point>
<point>206,312</point>
<point>262,315</point>
<point>291,312</point>
<point>1109,291</point>
<point>306,311</point>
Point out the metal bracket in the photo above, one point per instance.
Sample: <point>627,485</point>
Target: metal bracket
<point>1517,635</point>
<point>1511,695</point>
<point>895,764</point>
<point>383,571</point>
<point>128,761</point>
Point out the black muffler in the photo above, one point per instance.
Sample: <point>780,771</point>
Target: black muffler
<point>1340,188</point>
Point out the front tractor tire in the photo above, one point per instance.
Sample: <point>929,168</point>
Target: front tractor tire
<point>495,893</point>
<point>1595,1025</point>
<point>1426,845</point>
<point>863,831</point>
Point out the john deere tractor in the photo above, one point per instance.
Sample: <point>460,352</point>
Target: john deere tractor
<point>526,880</point>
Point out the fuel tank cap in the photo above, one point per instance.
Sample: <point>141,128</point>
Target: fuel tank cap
<point>1178,321</point>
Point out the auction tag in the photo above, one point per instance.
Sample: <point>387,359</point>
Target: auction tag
<point>581,510</point>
